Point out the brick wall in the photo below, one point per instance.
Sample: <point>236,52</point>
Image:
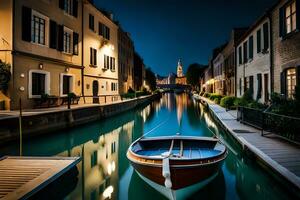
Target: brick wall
<point>286,52</point>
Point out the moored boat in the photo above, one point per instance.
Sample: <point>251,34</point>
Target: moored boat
<point>177,162</point>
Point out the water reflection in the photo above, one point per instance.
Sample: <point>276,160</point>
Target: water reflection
<point>105,172</point>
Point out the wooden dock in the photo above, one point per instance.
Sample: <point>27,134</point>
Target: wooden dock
<point>21,177</point>
<point>279,155</point>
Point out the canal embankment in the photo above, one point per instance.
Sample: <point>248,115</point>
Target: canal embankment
<point>38,122</point>
<point>279,157</point>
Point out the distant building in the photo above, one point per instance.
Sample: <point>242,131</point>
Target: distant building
<point>171,78</point>
<point>180,79</point>
<point>218,70</point>
<point>229,53</point>
<point>161,80</point>
<point>126,61</point>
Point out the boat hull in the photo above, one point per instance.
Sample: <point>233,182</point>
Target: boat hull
<point>179,194</point>
<point>181,176</point>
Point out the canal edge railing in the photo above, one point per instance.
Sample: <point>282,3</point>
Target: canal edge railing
<point>284,126</point>
<point>265,160</point>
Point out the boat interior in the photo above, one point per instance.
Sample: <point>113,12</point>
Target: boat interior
<point>178,148</point>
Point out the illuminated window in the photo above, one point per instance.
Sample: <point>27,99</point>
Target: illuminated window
<point>290,17</point>
<point>291,82</point>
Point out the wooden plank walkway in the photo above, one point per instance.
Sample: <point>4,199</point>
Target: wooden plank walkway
<point>280,155</point>
<point>21,177</point>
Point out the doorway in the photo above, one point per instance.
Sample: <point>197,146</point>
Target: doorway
<point>95,92</point>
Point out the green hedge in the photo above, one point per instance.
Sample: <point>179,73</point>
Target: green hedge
<point>227,101</point>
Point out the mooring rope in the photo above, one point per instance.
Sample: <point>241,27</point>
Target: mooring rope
<point>157,126</point>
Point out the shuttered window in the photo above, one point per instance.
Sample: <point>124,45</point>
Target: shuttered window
<point>289,18</point>
<point>38,30</point>
<point>75,43</point>
<point>266,36</point>
<point>91,22</point>
<point>93,56</point>
<point>60,38</point>
<point>104,31</point>
<point>258,40</point>
<point>69,6</point>
<point>240,55</point>
<point>251,47</point>
<point>259,86</point>
<point>245,46</point>
<point>53,35</point>
<point>26,21</point>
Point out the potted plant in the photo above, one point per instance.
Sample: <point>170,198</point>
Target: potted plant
<point>5,76</point>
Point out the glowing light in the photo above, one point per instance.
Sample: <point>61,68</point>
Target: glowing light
<point>111,167</point>
<point>108,191</point>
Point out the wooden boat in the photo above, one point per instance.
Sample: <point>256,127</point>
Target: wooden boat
<point>177,162</point>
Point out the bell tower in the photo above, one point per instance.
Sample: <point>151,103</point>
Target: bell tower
<point>179,69</point>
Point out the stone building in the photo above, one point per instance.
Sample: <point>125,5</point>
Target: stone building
<point>42,42</point>
<point>218,70</point>
<point>229,54</point>
<point>180,79</point>
<point>100,55</point>
<point>253,61</point>
<point>207,82</point>
<point>285,17</point>
<point>126,61</point>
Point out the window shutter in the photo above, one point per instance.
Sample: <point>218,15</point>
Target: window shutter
<point>60,38</point>
<point>108,33</point>
<point>91,56</point>
<point>259,86</point>
<point>95,56</point>
<point>75,8</point>
<point>266,36</point>
<point>298,75</point>
<point>283,82</point>
<point>100,28</point>
<point>62,4</point>
<point>258,41</point>
<point>75,43</point>
<point>281,22</point>
<point>53,34</point>
<point>245,52</point>
<point>26,24</point>
<point>251,47</point>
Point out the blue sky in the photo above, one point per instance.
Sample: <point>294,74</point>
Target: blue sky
<point>165,30</point>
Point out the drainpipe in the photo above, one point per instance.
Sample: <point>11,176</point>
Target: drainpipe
<point>82,50</point>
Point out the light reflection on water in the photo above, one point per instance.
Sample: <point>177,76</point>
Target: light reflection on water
<point>105,172</point>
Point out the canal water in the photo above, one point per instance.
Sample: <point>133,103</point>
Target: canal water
<point>105,172</point>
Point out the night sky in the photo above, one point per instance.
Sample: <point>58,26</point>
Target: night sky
<point>165,30</point>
